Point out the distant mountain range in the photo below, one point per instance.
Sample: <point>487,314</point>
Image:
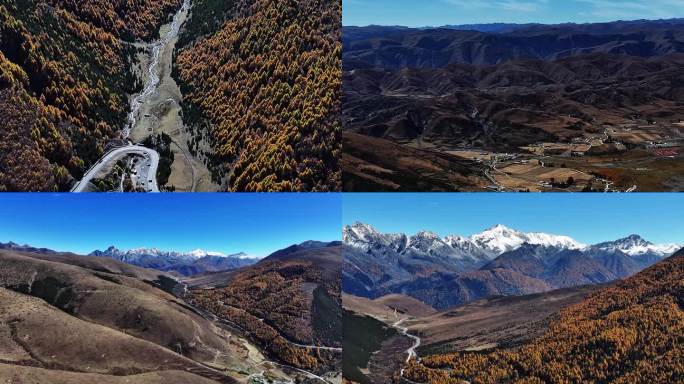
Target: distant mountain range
<point>185,263</point>
<point>286,308</point>
<point>192,263</point>
<point>396,47</point>
<point>451,270</point>
<point>469,87</point>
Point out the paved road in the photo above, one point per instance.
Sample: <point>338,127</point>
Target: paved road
<point>147,168</point>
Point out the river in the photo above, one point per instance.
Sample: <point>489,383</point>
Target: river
<point>152,81</point>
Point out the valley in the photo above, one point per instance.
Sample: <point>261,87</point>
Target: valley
<point>436,309</point>
<point>125,97</point>
<point>592,107</point>
<point>502,322</point>
<point>153,111</point>
<point>630,326</point>
<point>158,328</point>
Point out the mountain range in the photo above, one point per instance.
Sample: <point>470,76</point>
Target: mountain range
<point>452,270</point>
<point>432,93</point>
<point>184,263</point>
<point>68,318</point>
<point>396,48</point>
<point>192,263</point>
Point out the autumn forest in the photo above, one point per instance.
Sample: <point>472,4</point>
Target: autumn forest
<point>260,81</point>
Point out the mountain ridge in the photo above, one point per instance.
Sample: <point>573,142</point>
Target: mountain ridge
<point>629,326</point>
<point>184,263</point>
<point>498,261</point>
<point>394,48</point>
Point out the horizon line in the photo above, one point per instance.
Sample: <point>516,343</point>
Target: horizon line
<point>509,23</point>
<point>251,255</point>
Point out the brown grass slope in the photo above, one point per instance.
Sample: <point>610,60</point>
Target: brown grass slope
<point>118,302</point>
<point>628,333</point>
<point>384,306</point>
<point>14,374</point>
<point>507,321</point>
<point>33,333</point>
<point>375,164</point>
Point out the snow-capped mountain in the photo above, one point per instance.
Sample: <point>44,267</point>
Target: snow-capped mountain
<point>430,243</point>
<point>364,236</point>
<point>466,253</point>
<point>483,246</point>
<point>500,239</point>
<point>451,270</point>
<point>634,245</point>
<point>185,263</point>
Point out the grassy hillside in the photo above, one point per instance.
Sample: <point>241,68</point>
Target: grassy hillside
<point>64,76</point>
<point>628,333</point>
<point>67,318</point>
<point>264,92</point>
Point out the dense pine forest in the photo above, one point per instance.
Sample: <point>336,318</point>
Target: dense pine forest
<point>263,88</point>
<point>628,333</point>
<point>260,78</point>
<point>287,304</point>
<point>64,77</point>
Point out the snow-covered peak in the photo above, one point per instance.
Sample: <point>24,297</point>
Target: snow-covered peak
<point>360,232</point>
<point>425,236</point>
<point>424,241</point>
<point>364,236</point>
<point>500,239</point>
<point>482,246</point>
<point>137,253</point>
<point>432,244</point>
<point>635,245</point>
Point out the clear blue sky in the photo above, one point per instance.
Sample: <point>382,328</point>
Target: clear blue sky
<point>254,223</point>
<point>589,218</point>
<point>419,13</point>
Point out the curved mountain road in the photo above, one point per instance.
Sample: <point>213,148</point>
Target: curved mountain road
<point>147,169</point>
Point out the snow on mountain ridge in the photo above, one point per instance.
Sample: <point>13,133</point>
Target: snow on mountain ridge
<point>364,236</point>
<point>635,245</point>
<point>192,255</point>
<point>489,244</point>
<point>500,239</point>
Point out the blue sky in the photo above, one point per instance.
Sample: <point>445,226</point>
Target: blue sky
<point>418,13</point>
<point>254,223</point>
<point>589,218</point>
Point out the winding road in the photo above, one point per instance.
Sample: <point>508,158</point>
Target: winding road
<point>411,352</point>
<point>150,162</point>
<point>416,340</point>
<point>258,377</point>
